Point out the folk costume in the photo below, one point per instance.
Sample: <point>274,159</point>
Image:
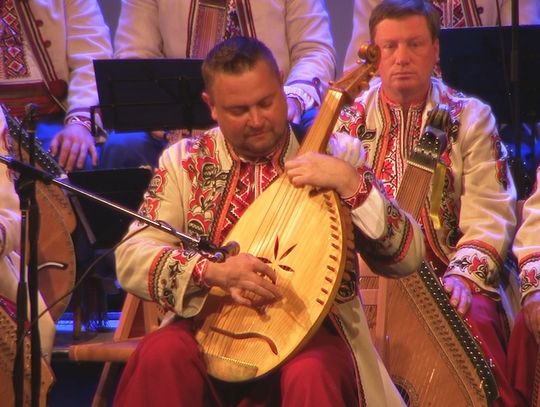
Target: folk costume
<point>476,208</point>
<point>203,188</point>
<point>522,348</point>
<point>297,32</point>
<point>47,52</point>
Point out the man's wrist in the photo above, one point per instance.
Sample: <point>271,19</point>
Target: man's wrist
<point>80,121</point>
<point>305,101</point>
<point>363,189</point>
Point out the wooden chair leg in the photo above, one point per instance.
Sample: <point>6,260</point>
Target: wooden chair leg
<point>110,375</point>
<point>137,319</point>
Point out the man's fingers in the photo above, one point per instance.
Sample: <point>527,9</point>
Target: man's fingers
<point>73,154</point>
<point>266,270</point>
<point>53,149</point>
<point>63,153</point>
<point>262,287</point>
<point>465,302</point>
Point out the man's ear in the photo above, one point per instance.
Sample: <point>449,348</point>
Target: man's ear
<point>208,100</point>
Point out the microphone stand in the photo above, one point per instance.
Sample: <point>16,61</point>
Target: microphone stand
<point>514,77</point>
<point>27,289</point>
<point>201,245</point>
<point>30,175</point>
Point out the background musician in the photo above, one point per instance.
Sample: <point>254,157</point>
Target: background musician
<point>202,186</point>
<point>523,346</point>
<point>454,14</point>
<point>297,32</point>
<point>47,49</point>
<point>476,210</point>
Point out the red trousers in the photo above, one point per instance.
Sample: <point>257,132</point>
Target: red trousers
<point>488,324</point>
<point>168,369</point>
<point>522,360</point>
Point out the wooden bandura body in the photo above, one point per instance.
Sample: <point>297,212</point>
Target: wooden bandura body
<point>56,254</point>
<point>306,237</point>
<point>241,342</point>
<point>8,351</point>
<point>427,348</point>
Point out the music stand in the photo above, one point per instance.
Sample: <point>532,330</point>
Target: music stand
<point>124,186</point>
<point>476,60</point>
<point>151,94</point>
<point>483,62</point>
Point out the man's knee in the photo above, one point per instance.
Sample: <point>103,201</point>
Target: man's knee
<point>171,347</point>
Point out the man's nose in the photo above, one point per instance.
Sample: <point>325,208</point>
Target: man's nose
<point>402,54</point>
<point>255,117</point>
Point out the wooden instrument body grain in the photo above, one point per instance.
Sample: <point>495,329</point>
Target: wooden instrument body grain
<point>56,253</point>
<point>240,342</point>
<point>8,350</point>
<point>427,347</point>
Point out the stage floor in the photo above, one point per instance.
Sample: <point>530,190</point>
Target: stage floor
<point>76,382</point>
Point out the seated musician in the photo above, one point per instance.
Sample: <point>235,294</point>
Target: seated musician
<point>477,204</point>
<point>47,52</point>
<point>454,14</point>
<point>202,186</point>
<point>523,345</point>
<point>10,231</point>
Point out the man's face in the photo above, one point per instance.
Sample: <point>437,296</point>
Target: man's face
<point>408,55</point>
<point>251,110</point>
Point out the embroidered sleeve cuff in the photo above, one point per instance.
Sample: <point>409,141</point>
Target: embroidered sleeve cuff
<point>476,282</point>
<point>199,271</point>
<point>363,190</point>
<point>305,100</point>
<point>529,275</point>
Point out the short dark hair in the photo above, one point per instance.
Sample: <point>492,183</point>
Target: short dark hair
<point>398,9</point>
<point>235,56</point>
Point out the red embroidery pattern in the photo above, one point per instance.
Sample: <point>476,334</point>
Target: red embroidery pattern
<point>398,140</point>
<point>208,183</point>
<point>529,279</point>
<point>530,274</point>
<point>472,265</point>
<point>364,188</point>
<point>151,202</point>
<point>477,263</point>
<point>218,194</point>
<point>252,180</point>
<point>458,13</point>
<point>213,207</point>
<point>13,63</point>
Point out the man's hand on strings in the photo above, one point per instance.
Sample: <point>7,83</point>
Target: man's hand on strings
<point>337,172</point>
<point>71,145</point>
<point>247,279</point>
<point>459,291</point>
